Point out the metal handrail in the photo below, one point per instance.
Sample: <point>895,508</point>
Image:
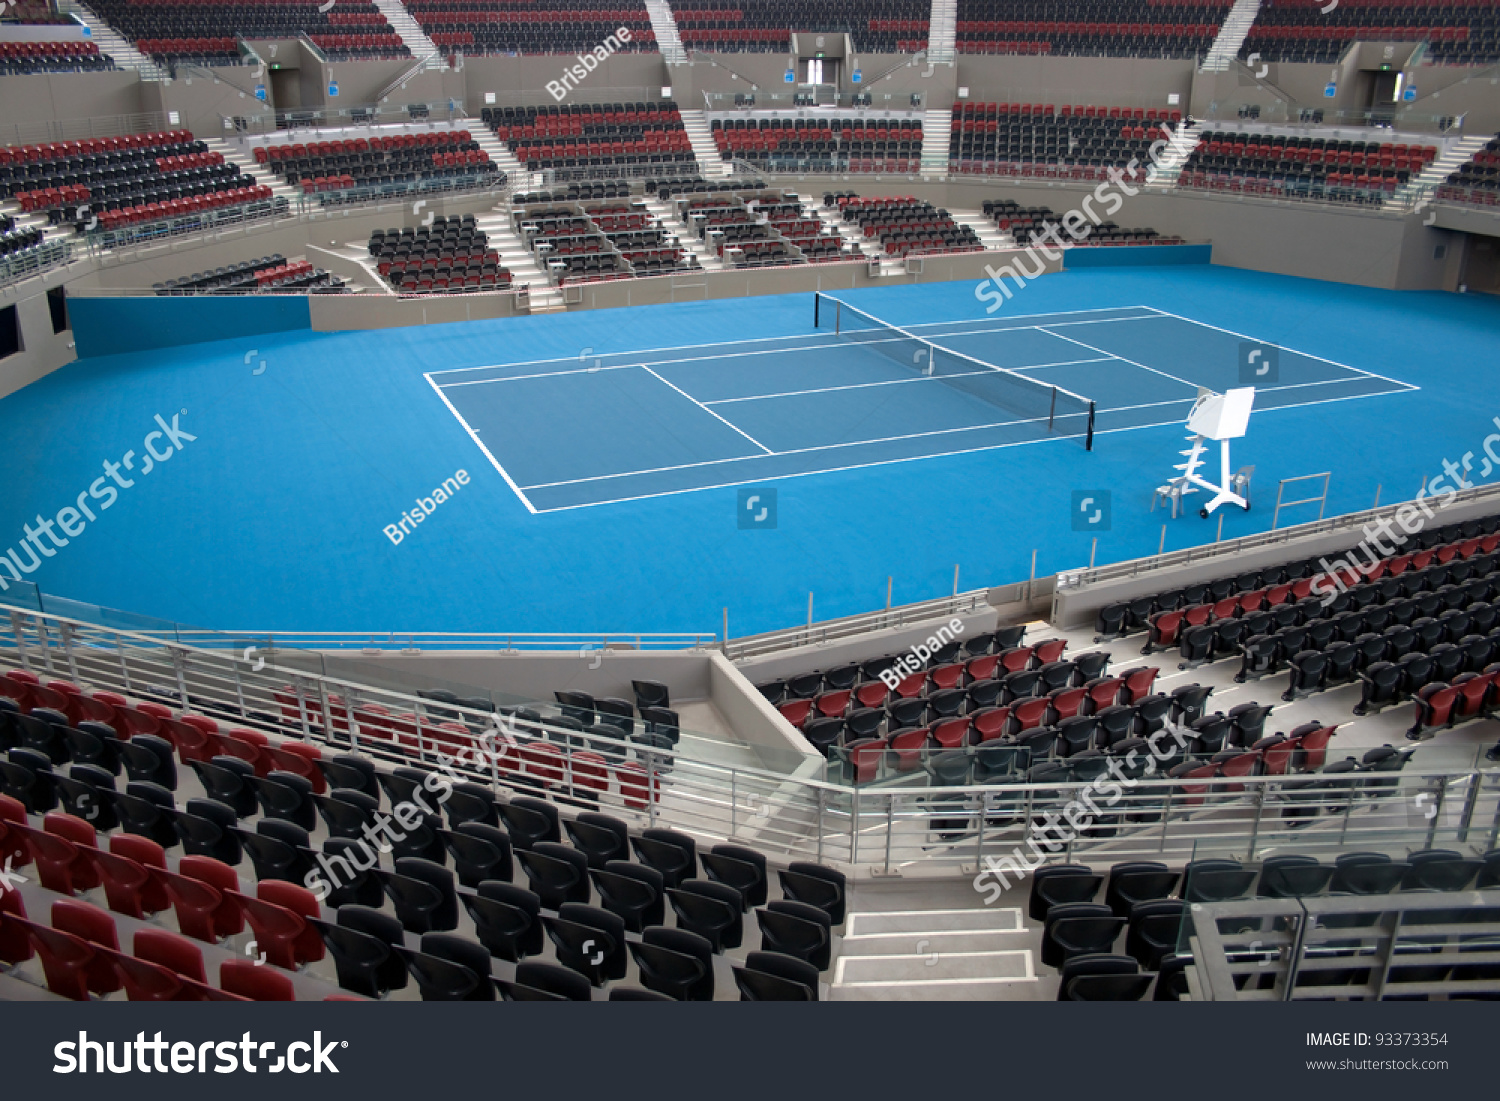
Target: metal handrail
<point>1230,549</point>
<point>946,830</point>
<point>32,262</point>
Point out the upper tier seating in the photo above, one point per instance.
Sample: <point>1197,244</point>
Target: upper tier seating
<point>1316,168</point>
<point>452,254</point>
<point>1464,33</point>
<point>834,145</point>
<point>907,226</point>
<point>1478,181</point>
<point>1041,139</point>
<point>1089,28</point>
<point>766,26</point>
<point>22,58</point>
<point>533,26</point>
<point>208,33</point>
<point>446,159</point>
<point>123,181</point>
<point>594,139</point>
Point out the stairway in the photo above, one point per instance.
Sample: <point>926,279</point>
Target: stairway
<point>411,33</point>
<point>990,235</point>
<point>666,214</point>
<point>942,32</point>
<point>710,163</point>
<point>1418,190</point>
<point>1231,36</point>
<point>519,260</point>
<point>263,175</point>
<point>937,125</point>
<point>664,25</point>
<point>1168,168</point>
<point>854,235</point>
<point>516,174</point>
<point>111,42</point>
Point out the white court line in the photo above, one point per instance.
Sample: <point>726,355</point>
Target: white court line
<point>990,321</point>
<point>1284,348</point>
<point>709,411</point>
<point>898,381</point>
<point>475,437</point>
<point>940,432</point>
<point>910,458</point>
<point>1191,385</point>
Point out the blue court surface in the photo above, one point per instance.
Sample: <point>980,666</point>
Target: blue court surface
<point>614,499</point>
<point>626,426</point>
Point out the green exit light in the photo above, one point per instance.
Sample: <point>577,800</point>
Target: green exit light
<point>1385,68</point>
<point>274,67</point>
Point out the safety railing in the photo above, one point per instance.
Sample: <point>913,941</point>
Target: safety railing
<point>78,129</point>
<point>35,261</point>
<point>1350,522</point>
<point>945,830</point>
<point>1351,947</point>
<point>832,630</point>
<point>267,121</point>
<point>199,222</point>
<point>493,185</point>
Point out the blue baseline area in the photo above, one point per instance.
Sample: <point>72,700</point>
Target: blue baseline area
<point>272,518</point>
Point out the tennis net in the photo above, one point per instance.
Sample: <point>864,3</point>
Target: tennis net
<point>1062,412</point>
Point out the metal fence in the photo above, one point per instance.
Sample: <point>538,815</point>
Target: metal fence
<point>43,258</point>
<point>919,830</point>
<point>1355,948</point>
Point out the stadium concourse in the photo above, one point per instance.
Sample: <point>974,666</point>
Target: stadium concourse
<point>896,500</point>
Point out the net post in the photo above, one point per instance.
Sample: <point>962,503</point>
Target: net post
<point>817,301</point>
<point>1088,443</point>
<point>838,314</point>
<point>1052,412</point>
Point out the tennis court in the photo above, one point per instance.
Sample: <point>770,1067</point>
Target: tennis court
<point>595,430</point>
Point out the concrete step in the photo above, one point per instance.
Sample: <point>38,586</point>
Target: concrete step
<point>665,213</point>
<point>1453,156</point>
<point>664,25</point>
<point>520,261</point>
<point>711,164</point>
<point>1231,36</point>
<point>411,32</point>
<point>936,126</point>
<point>111,41</point>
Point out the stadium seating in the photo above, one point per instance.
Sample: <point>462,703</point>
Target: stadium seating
<point>602,140</point>
<point>449,255</point>
<point>1476,182</point>
<point>640,239</point>
<point>836,145</point>
<point>1089,28</point>
<point>20,58</point>
<point>907,226</point>
<point>733,26</point>
<point>1326,169</point>
<point>731,224</point>
<point>267,274</point>
<point>1044,140</point>
<point>209,33</point>
<point>1146,904</point>
<point>123,181</point>
<point>17,242</point>
<point>1461,33</point>
<point>549,27</point>
<point>1024,223</point>
<point>430,159</point>
<point>178,916</point>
